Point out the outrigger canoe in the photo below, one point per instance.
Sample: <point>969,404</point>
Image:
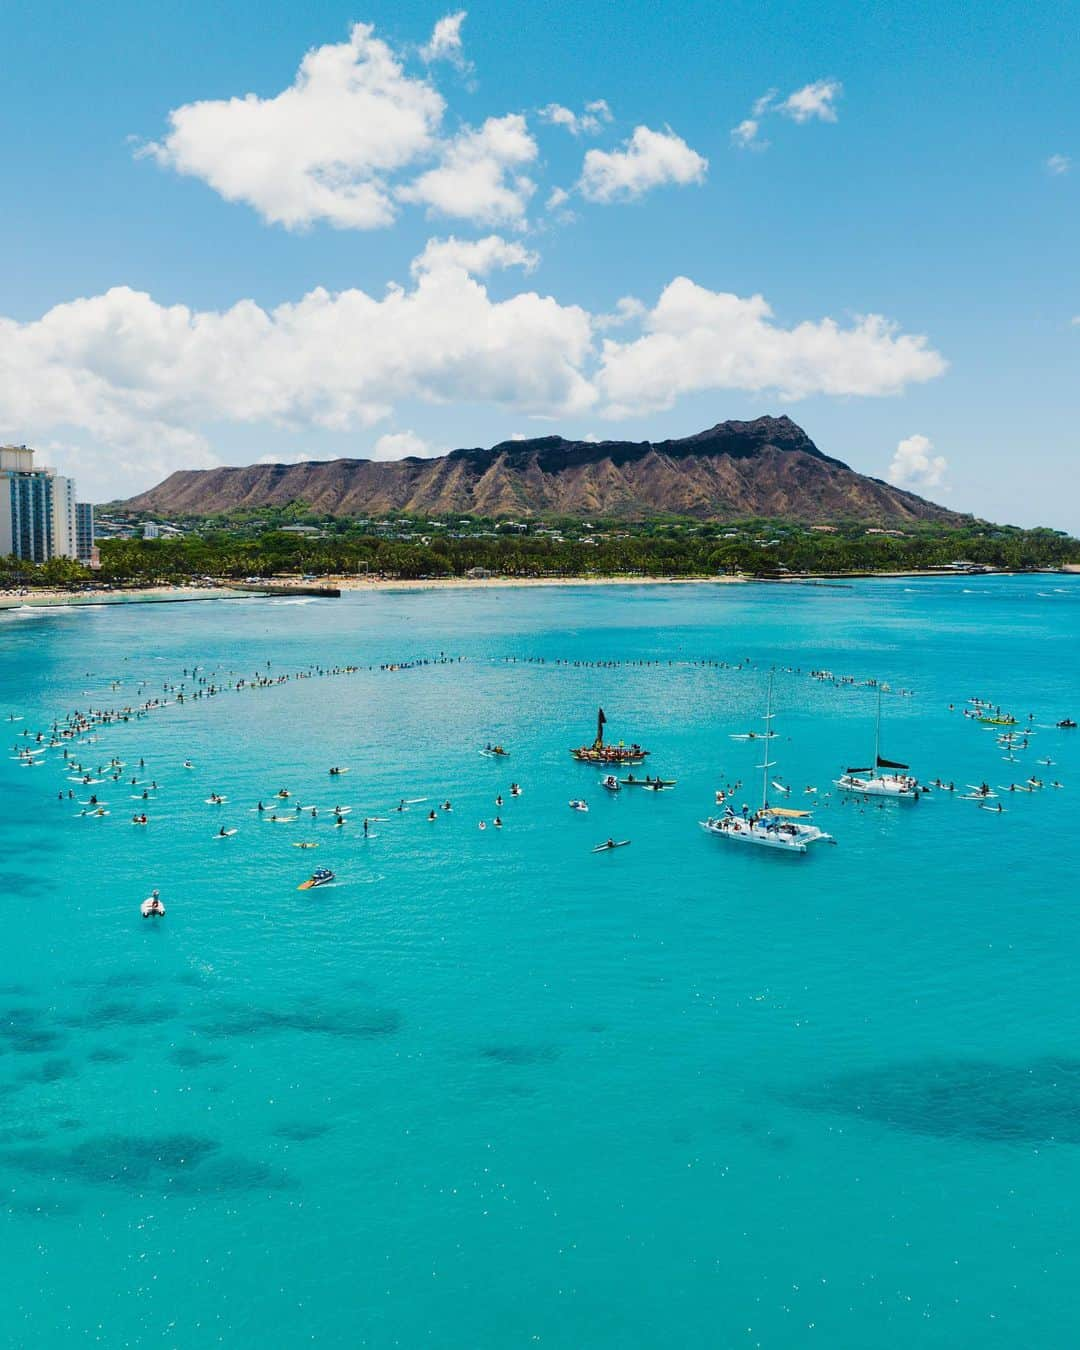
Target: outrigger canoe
<point>603,754</point>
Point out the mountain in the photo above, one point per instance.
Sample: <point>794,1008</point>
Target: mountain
<point>768,467</point>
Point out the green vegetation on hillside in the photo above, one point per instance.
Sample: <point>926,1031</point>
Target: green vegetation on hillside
<point>266,543</point>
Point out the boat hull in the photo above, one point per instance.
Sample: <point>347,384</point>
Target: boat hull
<point>609,755</point>
<point>740,832</point>
<point>880,787</point>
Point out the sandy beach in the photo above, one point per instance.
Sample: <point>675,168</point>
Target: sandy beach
<point>51,598</point>
<point>168,594</point>
<point>234,591</point>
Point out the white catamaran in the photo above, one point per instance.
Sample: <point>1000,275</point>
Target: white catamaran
<point>871,781</point>
<point>772,826</point>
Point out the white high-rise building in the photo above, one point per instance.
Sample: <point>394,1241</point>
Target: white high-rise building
<point>64,525</point>
<point>37,509</point>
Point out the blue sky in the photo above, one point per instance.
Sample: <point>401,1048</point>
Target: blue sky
<point>918,163</point>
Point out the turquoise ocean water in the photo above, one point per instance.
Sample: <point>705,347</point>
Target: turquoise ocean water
<point>491,1090</point>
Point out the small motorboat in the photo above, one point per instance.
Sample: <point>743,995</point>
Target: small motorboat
<point>578,805</point>
<point>322,876</point>
<point>1066,724</point>
<point>655,782</point>
<point>611,783</point>
<point>152,908</point>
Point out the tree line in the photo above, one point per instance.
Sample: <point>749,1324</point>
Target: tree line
<point>662,549</point>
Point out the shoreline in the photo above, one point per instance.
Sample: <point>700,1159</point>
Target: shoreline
<point>52,598</point>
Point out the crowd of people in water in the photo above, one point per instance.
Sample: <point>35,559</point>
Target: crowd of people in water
<point>71,734</point>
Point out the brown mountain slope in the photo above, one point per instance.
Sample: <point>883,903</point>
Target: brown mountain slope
<point>768,467</point>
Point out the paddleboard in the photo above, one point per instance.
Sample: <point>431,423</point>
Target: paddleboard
<point>606,848</point>
<point>227,835</point>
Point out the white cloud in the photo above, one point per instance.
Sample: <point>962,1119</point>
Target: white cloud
<point>812,101</point>
<point>478,257</point>
<point>817,100</point>
<point>148,381</point>
<point>763,104</point>
<point>628,309</point>
<point>320,150</point>
<point>745,135</point>
<point>914,466</point>
<point>135,389</point>
<point>445,41</point>
<point>593,119</point>
<point>402,445</point>
<point>1058,165</point>
<point>649,159</point>
<point>475,179</point>
<point>556,198</point>
<point>299,457</point>
<point>698,340</point>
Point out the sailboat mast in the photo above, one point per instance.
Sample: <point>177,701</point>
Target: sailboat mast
<point>877,733</point>
<point>768,736</point>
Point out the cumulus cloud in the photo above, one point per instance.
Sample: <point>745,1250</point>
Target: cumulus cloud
<point>445,41</point>
<point>297,457</point>
<point>476,178</point>
<point>914,465</point>
<point>697,340</point>
<point>320,150</point>
<point>813,102</point>
<point>149,379</point>
<point>817,100</point>
<point>475,256</point>
<point>746,137</point>
<point>137,388</point>
<point>593,119</point>
<point>649,159</point>
<point>1058,165</point>
<point>628,309</point>
<point>403,445</point>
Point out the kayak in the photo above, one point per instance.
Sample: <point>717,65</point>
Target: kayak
<point>296,844</point>
<point>648,782</point>
<point>606,848</point>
